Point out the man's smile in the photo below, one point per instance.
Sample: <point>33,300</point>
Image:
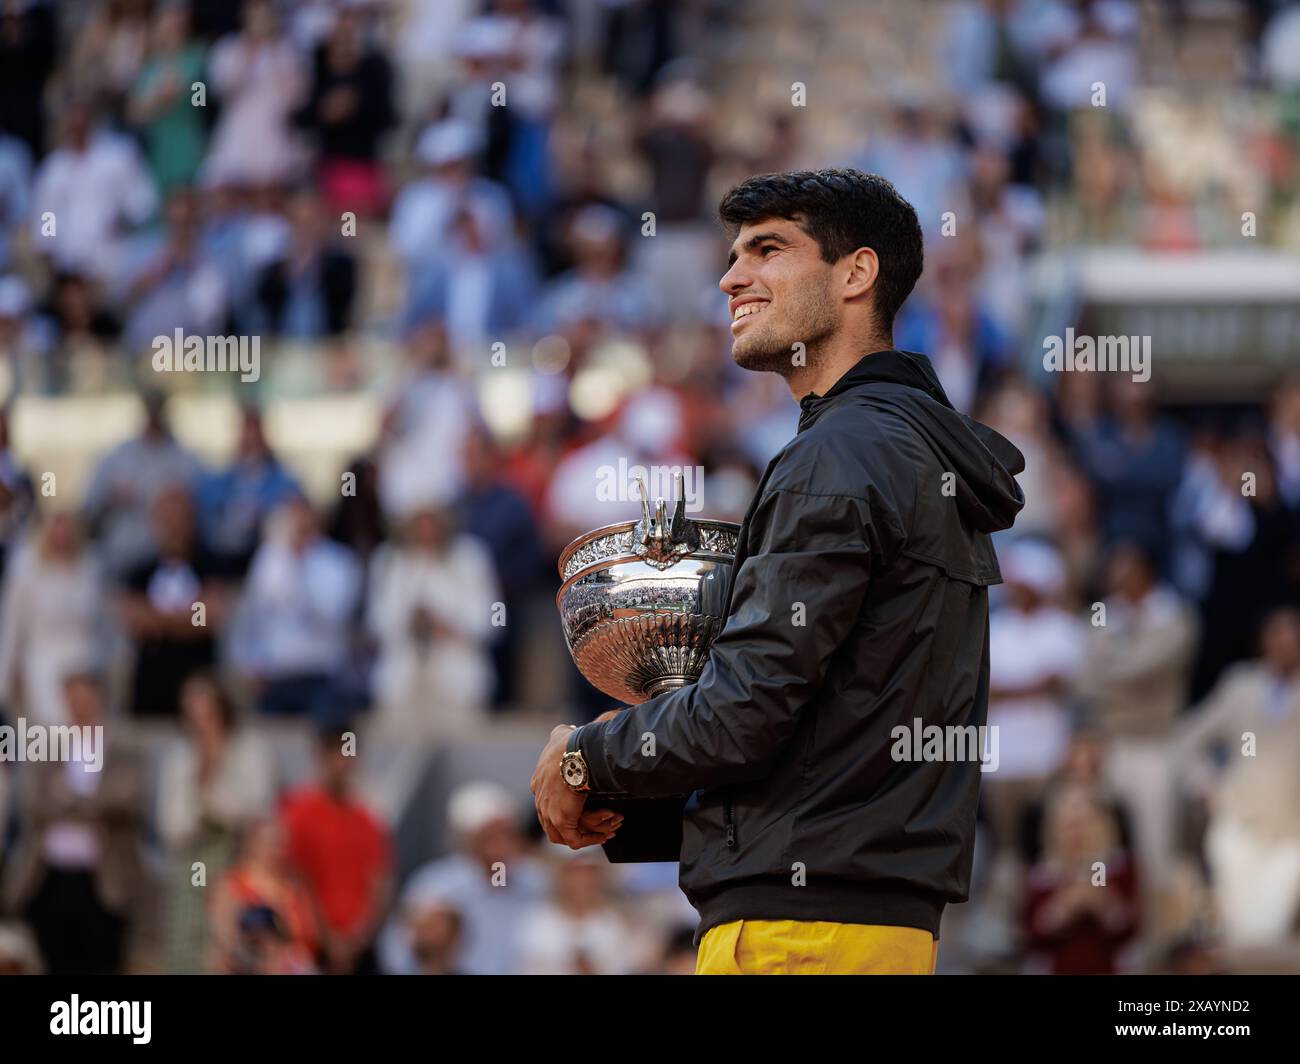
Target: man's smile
<point>746,308</point>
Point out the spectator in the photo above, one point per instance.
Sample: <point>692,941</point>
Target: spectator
<point>350,107</point>
<point>950,323</point>
<point>173,608</point>
<point>432,605</point>
<point>357,520</point>
<point>1035,649</point>
<point>175,285</point>
<point>1236,514</point>
<point>28,39</point>
<point>1284,439</point>
<point>20,345</point>
<point>88,191</point>
<point>54,619</point>
<point>1083,767</point>
<point>482,289</point>
<point>491,881</point>
<point>532,49</point>
<point>110,49</point>
<point>291,635</point>
<point>245,231</point>
<point>425,36</point>
<point>427,211</point>
<point>263,920</point>
<point>1135,460</point>
<point>580,931</point>
<point>1082,896</point>
<point>119,502</point>
<point>914,153</point>
<point>344,855</point>
<point>1252,845</point>
<point>16,498</point>
<point>80,333</point>
<point>437,938</point>
<point>15,194</point>
<point>77,874</point>
<point>1021,413</point>
<point>308,293</point>
<point>499,516</point>
<point>1134,676</point>
<point>428,417</point>
<point>215,782</point>
<point>235,502</point>
<point>162,101</point>
<point>259,76</point>
<point>599,288</point>
<point>675,137</point>
<point>1085,43</point>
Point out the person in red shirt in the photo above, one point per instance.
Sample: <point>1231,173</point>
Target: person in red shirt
<point>344,855</point>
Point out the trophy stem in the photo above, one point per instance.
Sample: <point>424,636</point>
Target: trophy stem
<point>666,683</point>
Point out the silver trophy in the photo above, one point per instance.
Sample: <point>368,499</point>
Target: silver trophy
<point>642,601</point>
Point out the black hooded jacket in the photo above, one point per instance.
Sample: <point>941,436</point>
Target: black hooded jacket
<point>858,605</point>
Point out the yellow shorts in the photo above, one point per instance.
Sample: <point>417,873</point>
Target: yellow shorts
<point>799,947</point>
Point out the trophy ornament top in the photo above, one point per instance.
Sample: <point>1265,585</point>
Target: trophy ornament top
<point>655,540</point>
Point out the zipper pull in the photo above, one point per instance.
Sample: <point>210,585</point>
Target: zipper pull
<point>731,825</point>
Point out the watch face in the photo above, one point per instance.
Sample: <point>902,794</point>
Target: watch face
<point>575,772</point>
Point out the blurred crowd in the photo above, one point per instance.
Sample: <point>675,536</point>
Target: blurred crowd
<point>494,218</point>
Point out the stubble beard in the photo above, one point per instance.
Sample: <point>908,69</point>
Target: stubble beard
<point>769,347</point>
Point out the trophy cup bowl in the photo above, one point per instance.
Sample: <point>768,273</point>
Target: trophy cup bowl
<point>642,601</point>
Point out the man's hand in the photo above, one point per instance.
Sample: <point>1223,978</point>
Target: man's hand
<point>560,808</point>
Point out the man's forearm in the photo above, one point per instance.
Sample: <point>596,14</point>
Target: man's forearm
<point>686,739</point>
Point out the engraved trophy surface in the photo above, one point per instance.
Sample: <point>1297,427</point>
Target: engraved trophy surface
<point>642,601</point>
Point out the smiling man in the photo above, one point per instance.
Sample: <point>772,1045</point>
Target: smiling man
<point>858,605</point>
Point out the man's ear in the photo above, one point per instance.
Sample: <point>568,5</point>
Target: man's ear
<point>864,268</point>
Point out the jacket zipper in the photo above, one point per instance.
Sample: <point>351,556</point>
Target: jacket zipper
<point>729,813</point>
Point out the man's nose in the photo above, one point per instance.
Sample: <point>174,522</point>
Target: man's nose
<point>734,280</point>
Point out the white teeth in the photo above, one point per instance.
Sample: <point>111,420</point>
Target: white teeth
<point>746,309</point>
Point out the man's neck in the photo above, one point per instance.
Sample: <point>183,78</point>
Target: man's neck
<point>828,364</point>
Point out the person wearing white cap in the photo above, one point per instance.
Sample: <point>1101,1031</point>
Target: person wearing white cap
<point>492,882</point>
<point>425,212</point>
<point>1035,650</point>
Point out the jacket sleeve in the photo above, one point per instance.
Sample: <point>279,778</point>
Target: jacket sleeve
<point>794,600</point>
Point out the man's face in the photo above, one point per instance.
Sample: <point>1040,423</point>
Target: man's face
<point>779,293</point>
<point>336,769</point>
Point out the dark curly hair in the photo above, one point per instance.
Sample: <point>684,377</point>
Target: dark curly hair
<point>842,210</point>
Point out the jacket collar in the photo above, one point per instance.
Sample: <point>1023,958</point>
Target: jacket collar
<point>890,366</point>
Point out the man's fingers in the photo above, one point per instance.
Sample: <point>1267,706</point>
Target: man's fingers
<point>576,835</point>
<point>577,839</point>
<point>600,820</point>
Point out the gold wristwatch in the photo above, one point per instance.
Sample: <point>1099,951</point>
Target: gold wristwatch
<point>573,769</point>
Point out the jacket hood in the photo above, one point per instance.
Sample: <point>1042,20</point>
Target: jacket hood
<point>984,461</point>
